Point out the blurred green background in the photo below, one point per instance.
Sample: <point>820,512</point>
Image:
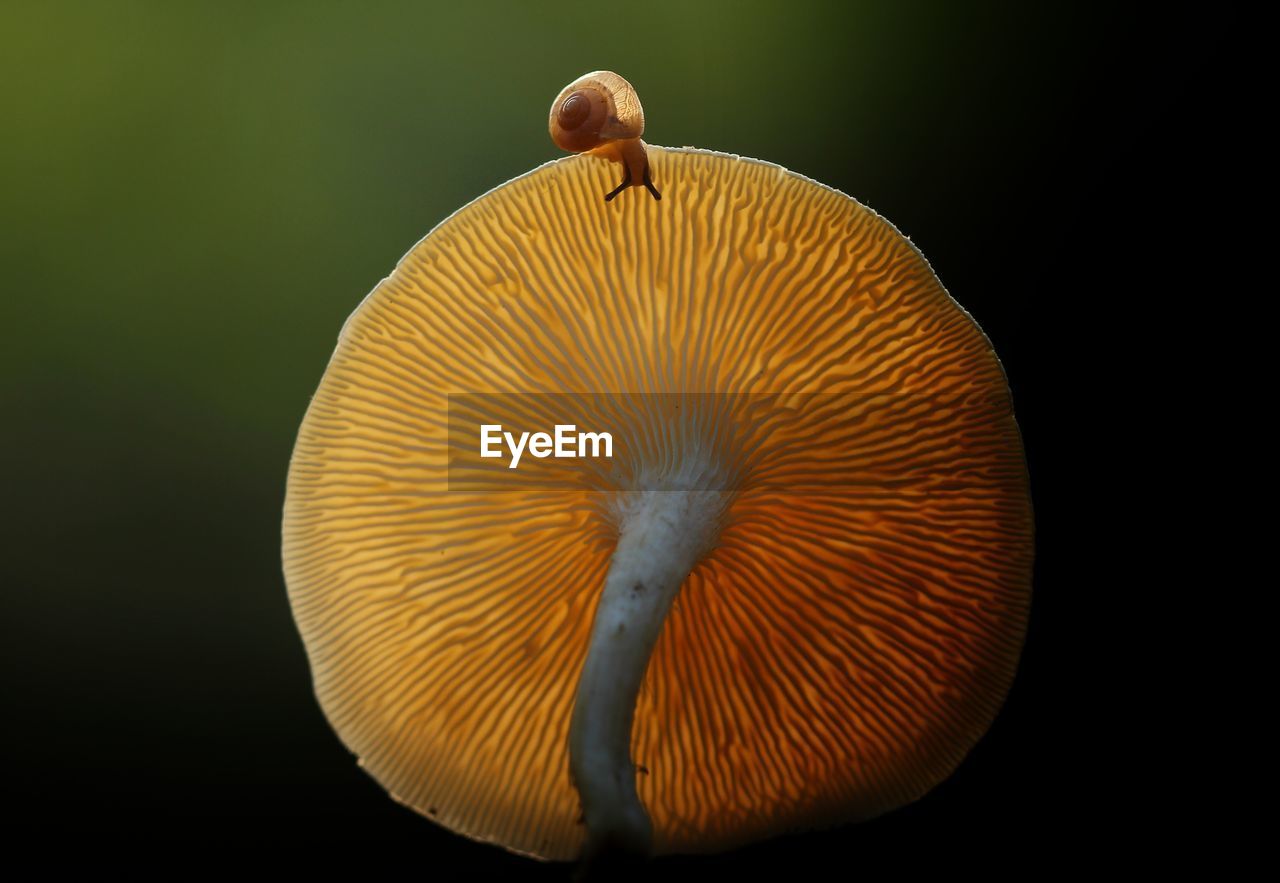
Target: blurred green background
<point>196,195</point>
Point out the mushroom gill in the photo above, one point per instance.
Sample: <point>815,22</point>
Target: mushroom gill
<point>855,592</point>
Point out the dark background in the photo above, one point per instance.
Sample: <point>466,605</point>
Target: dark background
<point>196,195</point>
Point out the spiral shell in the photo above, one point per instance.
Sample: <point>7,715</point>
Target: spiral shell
<point>594,109</point>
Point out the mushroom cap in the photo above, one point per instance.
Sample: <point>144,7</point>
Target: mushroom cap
<point>839,652</point>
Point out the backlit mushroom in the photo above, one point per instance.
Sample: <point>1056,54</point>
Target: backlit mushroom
<point>794,597</point>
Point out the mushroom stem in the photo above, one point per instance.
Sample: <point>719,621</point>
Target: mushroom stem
<point>663,536</point>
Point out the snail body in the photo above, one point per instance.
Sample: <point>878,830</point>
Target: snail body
<point>600,113</point>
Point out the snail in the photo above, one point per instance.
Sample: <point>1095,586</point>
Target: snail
<point>600,113</point>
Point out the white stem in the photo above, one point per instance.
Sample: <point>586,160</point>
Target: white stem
<point>663,536</point>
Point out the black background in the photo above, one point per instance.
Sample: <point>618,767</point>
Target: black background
<point>1061,169</point>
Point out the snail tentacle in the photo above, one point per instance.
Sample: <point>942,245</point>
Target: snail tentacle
<point>648,184</point>
<point>626,182</point>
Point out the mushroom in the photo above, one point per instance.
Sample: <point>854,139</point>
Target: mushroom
<point>796,595</point>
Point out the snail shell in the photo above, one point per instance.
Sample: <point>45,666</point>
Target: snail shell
<point>593,110</point>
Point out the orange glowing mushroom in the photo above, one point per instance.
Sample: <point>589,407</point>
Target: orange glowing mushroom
<point>797,601</point>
